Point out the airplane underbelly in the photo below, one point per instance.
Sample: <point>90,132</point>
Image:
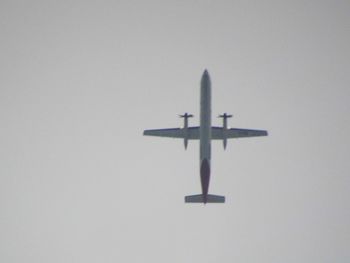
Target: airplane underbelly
<point>205,176</point>
<point>205,124</point>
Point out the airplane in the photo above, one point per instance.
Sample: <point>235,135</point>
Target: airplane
<point>205,133</point>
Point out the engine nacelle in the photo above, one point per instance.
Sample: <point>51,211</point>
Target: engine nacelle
<point>185,116</point>
<point>224,117</point>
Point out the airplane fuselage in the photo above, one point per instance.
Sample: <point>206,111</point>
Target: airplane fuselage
<point>205,133</point>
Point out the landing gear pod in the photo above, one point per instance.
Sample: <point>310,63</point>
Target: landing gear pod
<point>224,117</point>
<point>185,127</point>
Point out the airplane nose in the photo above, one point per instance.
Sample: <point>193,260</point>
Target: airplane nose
<point>205,79</point>
<point>205,75</point>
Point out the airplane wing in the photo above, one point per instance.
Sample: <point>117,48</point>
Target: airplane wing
<point>217,133</point>
<point>191,133</point>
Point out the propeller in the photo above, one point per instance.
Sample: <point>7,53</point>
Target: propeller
<point>225,116</point>
<point>186,115</point>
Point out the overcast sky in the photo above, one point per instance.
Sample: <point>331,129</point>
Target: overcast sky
<point>81,80</point>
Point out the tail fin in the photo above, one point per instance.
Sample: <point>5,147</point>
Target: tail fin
<point>200,199</point>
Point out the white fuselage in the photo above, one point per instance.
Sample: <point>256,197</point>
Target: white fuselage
<point>205,132</point>
<point>205,117</point>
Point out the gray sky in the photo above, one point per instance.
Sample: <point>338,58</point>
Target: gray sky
<point>80,80</point>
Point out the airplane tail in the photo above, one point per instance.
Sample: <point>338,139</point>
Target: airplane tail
<point>200,199</point>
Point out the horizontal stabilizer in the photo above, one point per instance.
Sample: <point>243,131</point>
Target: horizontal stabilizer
<point>200,199</point>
